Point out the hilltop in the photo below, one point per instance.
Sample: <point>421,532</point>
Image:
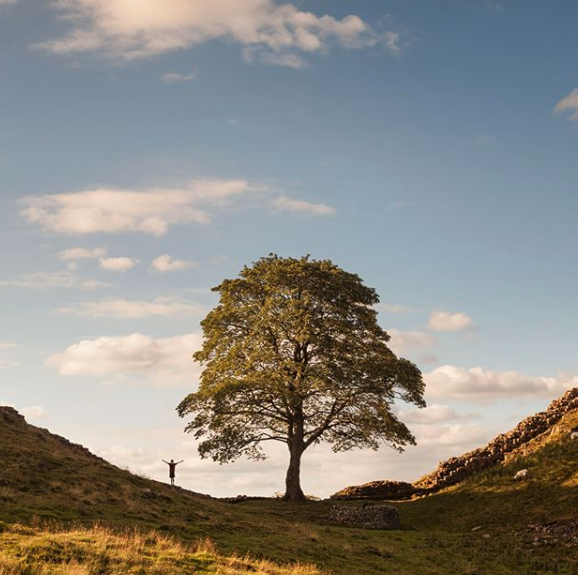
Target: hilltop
<point>480,525</point>
<point>518,441</point>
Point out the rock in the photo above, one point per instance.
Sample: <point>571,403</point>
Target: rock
<point>477,528</point>
<point>367,517</point>
<point>391,490</point>
<point>456,469</point>
<point>10,415</point>
<point>521,475</point>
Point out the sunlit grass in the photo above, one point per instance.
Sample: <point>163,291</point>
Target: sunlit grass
<point>102,551</point>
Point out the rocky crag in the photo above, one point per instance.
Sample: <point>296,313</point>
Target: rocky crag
<point>456,469</point>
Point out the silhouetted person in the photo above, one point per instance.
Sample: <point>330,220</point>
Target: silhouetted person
<point>172,469</point>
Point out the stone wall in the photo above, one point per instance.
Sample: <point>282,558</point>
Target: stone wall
<point>366,517</point>
<point>457,469</point>
<point>393,490</point>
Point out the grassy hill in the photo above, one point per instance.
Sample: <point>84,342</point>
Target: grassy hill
<point>58,491</point>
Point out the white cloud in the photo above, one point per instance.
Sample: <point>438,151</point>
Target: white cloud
<point>403,341</point>
<point>431,414</point>
<point>7,345</point>
<point>286,204</point>
<point>166,263</point>
<point>484,386</point>
<point>150,211</point>
<point>435,413</point>
<point>268,31</point>
<point>125,309</point>
<point>34,412</point>
<point>569,104</point>
<point>459,436</point>
<point>61,279</point>
<point>82,254</point>
<point>393,308</point>
<point>159,362</point>
<point>447,321</point>
<point>121,264</point>
<point>176,78</point>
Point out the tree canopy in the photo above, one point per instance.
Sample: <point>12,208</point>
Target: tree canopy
<point>293,353</point>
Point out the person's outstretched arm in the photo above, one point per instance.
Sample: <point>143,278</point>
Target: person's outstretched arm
<point>181,461</point>
<point>166,462</point>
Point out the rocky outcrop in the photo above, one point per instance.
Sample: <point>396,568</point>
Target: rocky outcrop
<point>456,469</point>
<point>366,517</point>
<point>391,490</point>
<point>11,416</point>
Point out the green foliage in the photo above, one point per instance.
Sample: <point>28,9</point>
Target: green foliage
<point>293,353</point>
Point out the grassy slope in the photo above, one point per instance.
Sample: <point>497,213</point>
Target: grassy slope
<point>45,478</point>
<point>98,550</point>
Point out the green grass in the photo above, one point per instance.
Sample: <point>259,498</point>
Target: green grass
<point>101,551</point>
<point>43,479</point>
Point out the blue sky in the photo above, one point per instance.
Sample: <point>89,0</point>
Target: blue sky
<point>150,149</point>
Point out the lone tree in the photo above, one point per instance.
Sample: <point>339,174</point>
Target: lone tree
<point>293,353</point>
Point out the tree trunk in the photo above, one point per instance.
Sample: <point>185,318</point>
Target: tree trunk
<point>293,491</point>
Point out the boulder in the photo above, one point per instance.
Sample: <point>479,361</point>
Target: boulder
<point>521,475</point>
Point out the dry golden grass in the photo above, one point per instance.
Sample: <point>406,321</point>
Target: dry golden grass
<point>102,551</point>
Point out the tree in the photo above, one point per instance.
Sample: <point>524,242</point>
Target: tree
<point>293,353</point>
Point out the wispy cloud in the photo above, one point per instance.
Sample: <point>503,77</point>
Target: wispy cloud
<point>449,321</point>
<point>458,436</point>
<point>393,308</point>
<point>136,357</point>
<point>285,204</point>
<point>133,309</point>
<point>151,211</point>
<point>82,254</point>
<point>484,386</point>
<point>267,31</point>
<point>118,264</point>
<point>166,263</point>
<point>393,42</point>
<point>569,104</point>
<point>176,78</point>
<point>434,413</point>
<point>7,345</point>
<point>60,279</point>
<point>403,341</point>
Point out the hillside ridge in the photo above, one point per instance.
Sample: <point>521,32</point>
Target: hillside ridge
<point>456,469</point>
